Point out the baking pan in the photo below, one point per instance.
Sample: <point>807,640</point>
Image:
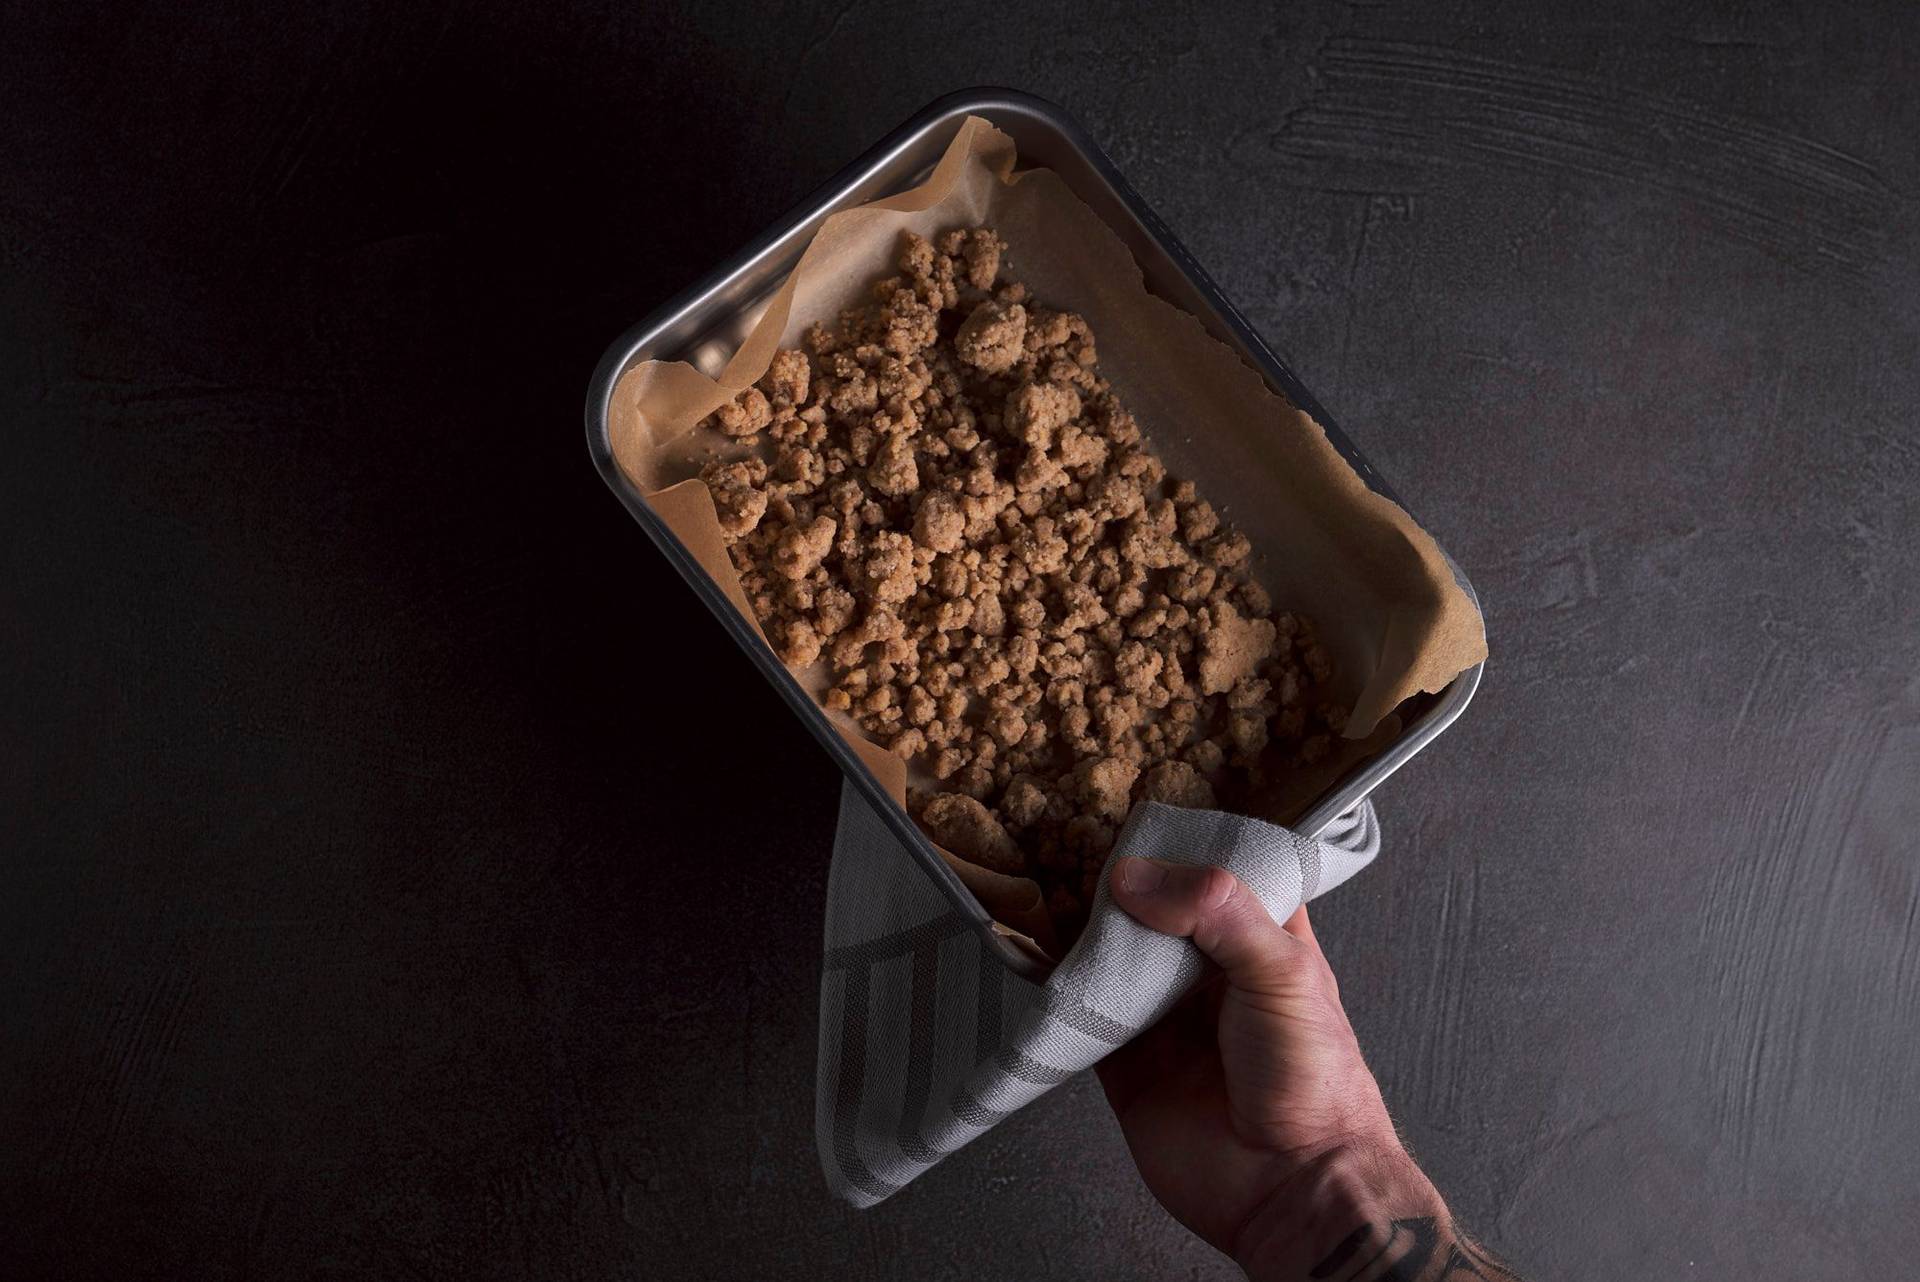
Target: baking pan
<point>704,325</point>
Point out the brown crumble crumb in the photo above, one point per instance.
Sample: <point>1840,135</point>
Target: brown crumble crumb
<point>948,507</point>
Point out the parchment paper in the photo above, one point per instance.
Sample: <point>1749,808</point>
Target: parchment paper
<point>1384,600</point>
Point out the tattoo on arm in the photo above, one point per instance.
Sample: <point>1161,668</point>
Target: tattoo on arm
<point>1418,1249</point>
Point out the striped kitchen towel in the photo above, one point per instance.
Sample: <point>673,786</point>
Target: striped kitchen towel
<point>927,1039</point>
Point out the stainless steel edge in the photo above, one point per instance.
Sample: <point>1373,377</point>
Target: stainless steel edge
<point>730,296</point>
<point>663,333</point>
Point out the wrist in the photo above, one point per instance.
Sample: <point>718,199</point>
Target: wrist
<point>1305,1220</point>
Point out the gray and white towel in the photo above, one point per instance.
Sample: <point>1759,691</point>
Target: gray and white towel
<point>927,1039</point>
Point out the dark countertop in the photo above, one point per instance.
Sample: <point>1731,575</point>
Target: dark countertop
<point>368,910</point>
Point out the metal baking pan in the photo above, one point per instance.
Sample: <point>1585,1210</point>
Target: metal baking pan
<point>704,325</point>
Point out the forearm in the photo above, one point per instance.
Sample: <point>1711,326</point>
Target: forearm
<point>1361,1216</point>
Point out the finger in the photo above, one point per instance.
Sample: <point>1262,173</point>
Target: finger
<point>1213,992</point>
<point>1213,908</point>
<point>1126,1072</point>
<point>1299,927</point>
<point>1302,929</point>
<point>1183,1034</point>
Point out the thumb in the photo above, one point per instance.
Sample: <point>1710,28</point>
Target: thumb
<point>1216,910</point>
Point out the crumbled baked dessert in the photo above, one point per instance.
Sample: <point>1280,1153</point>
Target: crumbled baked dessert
<point>946,505</point>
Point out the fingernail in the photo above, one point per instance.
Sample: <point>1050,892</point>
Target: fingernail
<point>1141,876</point>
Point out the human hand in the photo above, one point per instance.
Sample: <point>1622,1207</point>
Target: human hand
<point>1250,1111</point>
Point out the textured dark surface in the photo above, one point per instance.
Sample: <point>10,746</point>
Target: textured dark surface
<point>362,917</point>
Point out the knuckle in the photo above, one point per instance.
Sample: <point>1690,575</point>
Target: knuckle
<point>1217,890</point>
